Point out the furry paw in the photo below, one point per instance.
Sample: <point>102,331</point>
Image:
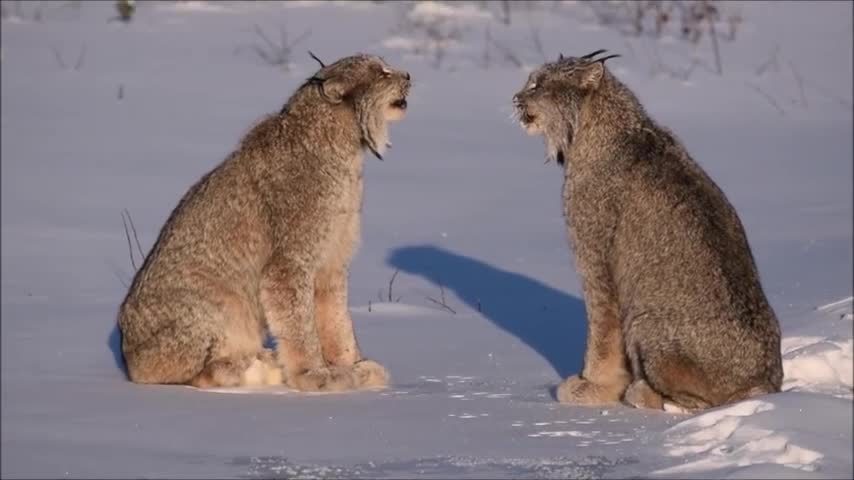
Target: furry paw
<point>368,373</point>
<point>326,379</point>
<point>579,391</point>
<point>641,395</point>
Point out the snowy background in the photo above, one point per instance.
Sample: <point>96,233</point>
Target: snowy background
<point>99,116</point>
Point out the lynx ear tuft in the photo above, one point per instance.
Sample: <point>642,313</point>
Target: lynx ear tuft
<point>322,65</point>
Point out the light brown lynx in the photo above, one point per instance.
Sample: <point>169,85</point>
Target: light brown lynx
<point>262,244</point>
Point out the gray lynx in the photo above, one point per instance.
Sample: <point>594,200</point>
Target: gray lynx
<point>675,308</point>
<point>262,244</point>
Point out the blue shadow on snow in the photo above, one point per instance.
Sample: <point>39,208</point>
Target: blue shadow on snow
<point>549,321</point>
<point>114,341</point>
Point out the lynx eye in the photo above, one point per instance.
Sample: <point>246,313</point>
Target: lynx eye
<point>386,72</point>
<point>532,86</point>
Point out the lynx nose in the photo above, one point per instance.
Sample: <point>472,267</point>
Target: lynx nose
<point>406,76</point>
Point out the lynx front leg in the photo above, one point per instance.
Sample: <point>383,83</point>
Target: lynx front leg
<point>604,377</point>
<point>335,329</point>
<point>287,296</point>
<point>337,340</point>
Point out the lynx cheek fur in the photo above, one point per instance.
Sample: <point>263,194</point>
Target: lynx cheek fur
<point>262,244</point>
<point>675,308</point>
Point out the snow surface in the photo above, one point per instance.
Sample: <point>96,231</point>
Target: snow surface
<point>98,116</point>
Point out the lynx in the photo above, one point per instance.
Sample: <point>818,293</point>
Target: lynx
<point>675,309</point>
<point>261,245</point>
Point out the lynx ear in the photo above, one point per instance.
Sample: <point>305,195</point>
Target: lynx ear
<point>590,76</point>
<point>335,88</point>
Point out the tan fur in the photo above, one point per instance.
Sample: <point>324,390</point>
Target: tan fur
<point>675,308</point>
<point>262,244</point>
<point>641,395</point>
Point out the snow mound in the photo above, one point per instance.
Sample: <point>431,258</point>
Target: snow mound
<point>822,364</point>
<point>790,434</point>
<point>726,437</point>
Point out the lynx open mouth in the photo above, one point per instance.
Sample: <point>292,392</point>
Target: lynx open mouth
<point>527,118</point>
<point>401,104</point>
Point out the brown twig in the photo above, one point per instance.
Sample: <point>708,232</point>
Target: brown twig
<point>487,41</point>
<point>277,54</point>
<point>390,294</point>
<point>508,54</point>
<point>713,32</point>
<point>505,8</point>
<point>133,228</point>
<point>442,303</point>
<point>130,245</point>
<point>58,57</point>
<point>80,58</point>
<point>827,93</point>
<point>537,41</point>
<point>772,61</point>
<point>767,97</point>
<point>391,284</point>
<point>800,80</point>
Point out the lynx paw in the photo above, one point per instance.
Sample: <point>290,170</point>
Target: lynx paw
<point>641,395</point>
<point>326,379</point>
<point>264,370</point>
<point>369,373</point>
<point>579,391</point>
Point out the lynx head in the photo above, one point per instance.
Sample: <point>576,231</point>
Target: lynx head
<point>376,91</point>
<point>551,99</point>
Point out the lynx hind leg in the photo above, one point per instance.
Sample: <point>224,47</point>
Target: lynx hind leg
<point>166,360</point>
<point>580,391</point>
<point>641,395</point>
<point>173,355</point>
<point>682,383</point>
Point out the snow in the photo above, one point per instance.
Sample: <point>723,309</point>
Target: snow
<point>463,208</point>
<point>429,10</point>
<point>194,6</point>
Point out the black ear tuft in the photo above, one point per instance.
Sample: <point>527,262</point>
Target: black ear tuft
<point>322,65</point>
<point>593,54</point>
<point>560,57</point>
<point>602,60</point>
<point>560,158</point>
